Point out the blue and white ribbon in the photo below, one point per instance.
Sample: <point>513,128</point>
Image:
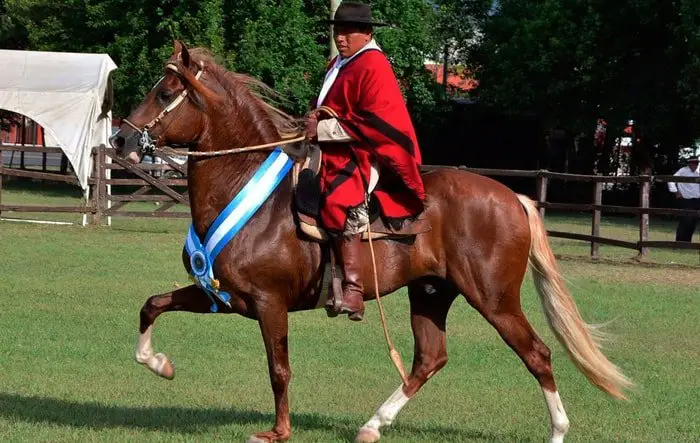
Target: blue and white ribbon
<point>243,206</point>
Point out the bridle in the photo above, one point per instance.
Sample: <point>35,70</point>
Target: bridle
<point>146,143</point>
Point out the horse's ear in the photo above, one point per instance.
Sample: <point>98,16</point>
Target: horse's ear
<point>177,47</point>
<point>200,94</point>
<point>182,53</point>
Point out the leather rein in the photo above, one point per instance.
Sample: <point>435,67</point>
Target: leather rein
<point>148,145</point>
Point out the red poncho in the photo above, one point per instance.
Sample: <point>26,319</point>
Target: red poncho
<point>371,109</point>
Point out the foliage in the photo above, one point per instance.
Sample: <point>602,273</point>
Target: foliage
<point>407,43</point>
<point>277,41</point>
<point>12,34</point>
<point>279,45</point>
<point>572,62</point>
<point>568,62</point>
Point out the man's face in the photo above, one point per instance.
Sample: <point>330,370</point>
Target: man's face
<point>349,39</point>
<point>693,166</point>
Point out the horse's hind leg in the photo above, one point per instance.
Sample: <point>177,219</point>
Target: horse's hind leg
<point>429,305</point>
<point>510,322</point>
<point>189,299</point>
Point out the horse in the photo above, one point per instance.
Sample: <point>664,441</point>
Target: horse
<point>482,238</point>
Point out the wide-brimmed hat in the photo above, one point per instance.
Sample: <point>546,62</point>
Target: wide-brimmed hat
<point>353,13</point>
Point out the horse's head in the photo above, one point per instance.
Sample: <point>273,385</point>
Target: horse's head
<point>171,113</point>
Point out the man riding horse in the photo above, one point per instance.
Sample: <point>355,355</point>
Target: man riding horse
<point>266,269</point>
<point>372,127</point>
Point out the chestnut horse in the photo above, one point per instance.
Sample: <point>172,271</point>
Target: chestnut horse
<point>483,237</point>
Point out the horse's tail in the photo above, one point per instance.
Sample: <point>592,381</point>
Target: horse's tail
<point>580,339</point>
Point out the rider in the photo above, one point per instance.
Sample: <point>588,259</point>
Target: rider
<point>372,127</point>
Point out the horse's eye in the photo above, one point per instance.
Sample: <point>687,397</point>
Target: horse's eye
<point>164,95</point>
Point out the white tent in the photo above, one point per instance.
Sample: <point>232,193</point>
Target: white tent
<point>69,94</point>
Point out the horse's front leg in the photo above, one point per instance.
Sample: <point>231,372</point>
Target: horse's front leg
<point>191,299</point>
<point>273,325</point>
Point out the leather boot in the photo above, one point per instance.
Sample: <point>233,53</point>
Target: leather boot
<point>348,250</point>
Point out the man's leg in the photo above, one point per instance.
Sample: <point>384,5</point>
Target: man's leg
<point>344,191</point>
<point>686,224</point>
<point>348,249</point>
<point>693,220</point>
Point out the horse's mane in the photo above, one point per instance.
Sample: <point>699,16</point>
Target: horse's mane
<point>244,89</point>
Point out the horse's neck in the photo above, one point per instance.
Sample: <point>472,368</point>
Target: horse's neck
<point>214,181</point>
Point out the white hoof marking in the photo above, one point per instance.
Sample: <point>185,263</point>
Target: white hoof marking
<point>158,363</point>
<point>560,422</point>
<point>385,415</point>
<point>367,435</point>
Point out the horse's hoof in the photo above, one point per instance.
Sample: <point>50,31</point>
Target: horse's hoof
<point>367,435</point>
<point>164,368</point>
<point>269,437</point>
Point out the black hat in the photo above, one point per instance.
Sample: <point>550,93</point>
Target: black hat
<point>353,13</point>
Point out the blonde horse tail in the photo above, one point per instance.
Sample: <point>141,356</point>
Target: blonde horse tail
<point>582,341</point>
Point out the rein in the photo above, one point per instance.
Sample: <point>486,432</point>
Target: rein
<point>266,146</point>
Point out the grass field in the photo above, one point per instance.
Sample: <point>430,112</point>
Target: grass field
<point>69,302</point>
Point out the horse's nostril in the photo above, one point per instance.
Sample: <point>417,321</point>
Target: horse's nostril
<point>118,142</point>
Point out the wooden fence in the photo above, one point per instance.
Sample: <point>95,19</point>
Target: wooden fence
<point>109,204</point>
<point>596,208</point>
<point>42,174</point>
<point>98,201</point>
<point>103,203</point>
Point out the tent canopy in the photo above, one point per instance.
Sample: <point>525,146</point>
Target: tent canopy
<point>68,94</point>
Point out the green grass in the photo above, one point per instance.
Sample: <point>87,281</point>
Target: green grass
<point>621,228</point>
<point>69,304</point>
<point>58,194</point>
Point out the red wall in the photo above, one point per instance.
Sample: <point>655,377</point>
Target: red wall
<point>33,133</point>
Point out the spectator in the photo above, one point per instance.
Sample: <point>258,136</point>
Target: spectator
<point>688,195</point>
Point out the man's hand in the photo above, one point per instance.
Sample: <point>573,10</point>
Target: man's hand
<point>311,125</point>
<point>679,195</point>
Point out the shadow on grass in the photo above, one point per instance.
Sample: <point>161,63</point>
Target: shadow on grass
<point>190,420</point>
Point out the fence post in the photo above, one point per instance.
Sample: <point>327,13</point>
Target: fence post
<point>595,228</point>
<point>94,185</point>
<point>644,189</point>
<point>541,191</point>
<point>1,175</point>
<point>99,185</point>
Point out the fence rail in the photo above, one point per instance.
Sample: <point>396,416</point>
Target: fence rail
<point>644,210</point>
<point>158,177</point>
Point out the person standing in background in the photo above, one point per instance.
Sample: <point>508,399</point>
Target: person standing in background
<point>688,195</point>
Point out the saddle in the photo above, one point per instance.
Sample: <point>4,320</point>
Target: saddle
<point>307,201</point>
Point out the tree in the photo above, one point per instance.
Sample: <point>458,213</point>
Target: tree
<point>279,45</point>
<point>280,42</point>
<point>12,34</point>
<point>408,43</point>
<point>137,35</point>
<point>572,62</point>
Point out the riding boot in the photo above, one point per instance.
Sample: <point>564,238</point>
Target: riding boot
<point>349,252</point>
